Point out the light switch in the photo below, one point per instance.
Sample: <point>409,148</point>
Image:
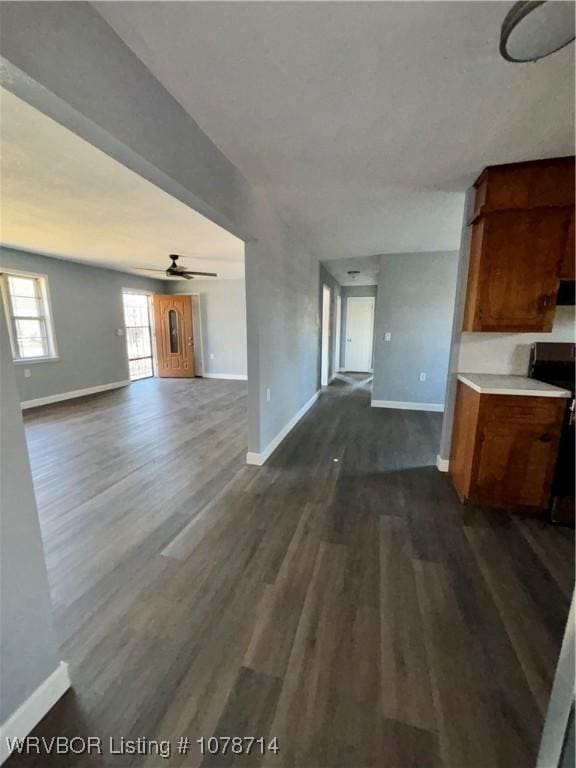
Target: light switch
<point>422,376</point>
<point>387,336</point>
<point>268,394</point>
<point>119,331</point>
<point>211,355</point>
<point>27,373</point>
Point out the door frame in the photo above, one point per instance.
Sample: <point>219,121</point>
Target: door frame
<point>198,329</point>
<point>325,336</point>
<point>372,300</point>
<point>151,319</point>
<point>338,334</point>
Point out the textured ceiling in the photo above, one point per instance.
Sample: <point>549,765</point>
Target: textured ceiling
<point>368,266</point>
<point>365,121</point>
<point>61,196</point>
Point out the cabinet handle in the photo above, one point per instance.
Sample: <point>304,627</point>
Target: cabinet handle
<point>544,302</point>
<point>545,438</point>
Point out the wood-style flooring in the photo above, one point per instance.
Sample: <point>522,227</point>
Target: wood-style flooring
<point>339,598</point>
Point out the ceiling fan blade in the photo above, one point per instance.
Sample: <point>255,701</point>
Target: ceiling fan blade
<point>186,276</point>
<point>204,274</point>
<point>148,269</point>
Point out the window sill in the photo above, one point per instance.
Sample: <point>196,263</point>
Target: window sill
<point>34,360</point>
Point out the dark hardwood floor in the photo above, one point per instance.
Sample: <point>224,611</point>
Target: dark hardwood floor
<point>339,598</point>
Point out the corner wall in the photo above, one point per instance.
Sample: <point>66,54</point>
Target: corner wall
<point>282,279</point>
<point>415,304</point>
<point>29,652</point>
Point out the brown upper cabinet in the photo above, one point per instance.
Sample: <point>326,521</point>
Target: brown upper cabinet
<point>536,184</point>
<point>568,265</point>
<point>521,245</point>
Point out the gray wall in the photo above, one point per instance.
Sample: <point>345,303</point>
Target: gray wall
<point>96,86</point>
<point>415,304</point>
<point>569,749</point>
<point>28,651</point>
<point>87,309</point>
<point>223,317</point>
<point>282,279</point>
<point>347,292</point>
<point>335,290</point>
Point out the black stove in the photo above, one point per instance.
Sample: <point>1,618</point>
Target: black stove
<point>554,363</point>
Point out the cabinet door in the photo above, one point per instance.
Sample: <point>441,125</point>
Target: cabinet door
<point>535,184</point>
<point>568,267</point>
<point>517,449</point>
<point>466,410</point>
<point>514,266</point>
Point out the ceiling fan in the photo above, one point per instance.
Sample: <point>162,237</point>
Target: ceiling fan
<point>175,271</point>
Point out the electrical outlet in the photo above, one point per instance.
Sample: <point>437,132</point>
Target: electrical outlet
<point>27,373</point>
<point>268,394</point>
<point>211,355</point>
<point>422,376</point>
<point>387,336</point>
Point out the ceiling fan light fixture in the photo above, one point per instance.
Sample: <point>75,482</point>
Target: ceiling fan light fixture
<point>534,29</point>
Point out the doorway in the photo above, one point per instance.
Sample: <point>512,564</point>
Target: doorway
<point>174,335</point>
<point>138,334</point>
<point>337,342</point>
<point>325,370</point>
<point>359,333</point>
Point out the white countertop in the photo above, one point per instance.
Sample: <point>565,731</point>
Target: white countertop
<point>496,384</point>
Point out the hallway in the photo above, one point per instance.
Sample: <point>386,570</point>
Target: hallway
<point>338,598</point>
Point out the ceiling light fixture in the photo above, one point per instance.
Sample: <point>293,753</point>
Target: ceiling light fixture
<point>534,29</point>
<point>353,273</point>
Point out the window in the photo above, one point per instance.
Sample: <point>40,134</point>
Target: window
<point>138,334</point>
<point>30,323</point>
<point>173,330</point>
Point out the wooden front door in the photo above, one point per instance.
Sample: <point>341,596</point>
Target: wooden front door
<point>174,335</point>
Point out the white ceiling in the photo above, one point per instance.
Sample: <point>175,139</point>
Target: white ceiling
<point>63,197</point>
<point>368,266</point>
<point>365,121</point>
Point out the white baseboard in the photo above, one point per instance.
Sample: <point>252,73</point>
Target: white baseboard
<point>257,459</point>
<point>30,712</point>
<point>233,376</point>
<point>405,406</point>
<point>443,465</point>
<point>72,395</point>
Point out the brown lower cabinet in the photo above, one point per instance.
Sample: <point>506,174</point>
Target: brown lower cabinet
<point>504,448</point>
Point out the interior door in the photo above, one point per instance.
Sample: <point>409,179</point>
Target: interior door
<point>174,335</point>
<point>359,333</point>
